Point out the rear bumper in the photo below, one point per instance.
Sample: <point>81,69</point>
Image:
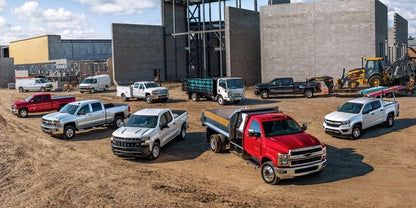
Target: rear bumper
<point>52,129</point>
<point>287,173</point>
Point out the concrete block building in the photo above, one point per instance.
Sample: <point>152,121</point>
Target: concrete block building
<point>397,39</point>
<point>320,38</point>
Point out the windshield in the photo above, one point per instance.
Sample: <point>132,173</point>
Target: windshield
<point>69,109</point>
<point>235,83</point>
<point>29,98</point>
<point>43,80</point>
<point>350,107</point>
<point>87,81</point>
<point>151,85</point>
<point>281,127</point>
<point>142,121</point>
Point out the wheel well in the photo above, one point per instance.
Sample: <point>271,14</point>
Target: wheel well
<point>208,134</point>
<point>23,108</point>
<point>358,124</point>
<point>391,113</point>
<point>119,114</point>
<point>157,141</point>
<point>147,94</point>
<point>70,124</point>
<point>265,159</point>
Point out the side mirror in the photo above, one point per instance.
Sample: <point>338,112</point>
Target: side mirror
<point>32,101</point>
<point>163,126</point>
<point>366,112</point>
<point>82,112</point>
<point>305,126</point>
<point>251,133</point>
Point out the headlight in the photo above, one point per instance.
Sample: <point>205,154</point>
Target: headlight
<point>345,122</point>
<point>229,94</point>
<point>112,140</point>
<point>282,159</point>
<point>14,106</point>
<point>145,139</point>
<point>58,123</point>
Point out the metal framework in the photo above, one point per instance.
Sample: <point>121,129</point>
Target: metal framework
<point>204,36</point>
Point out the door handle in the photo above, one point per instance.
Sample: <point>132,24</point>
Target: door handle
<point>381,110</point>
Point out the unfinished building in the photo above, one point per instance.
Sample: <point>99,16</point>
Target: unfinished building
<point>397,39</point>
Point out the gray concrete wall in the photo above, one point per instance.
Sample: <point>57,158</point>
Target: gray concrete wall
<point>137,51</point>
<point>242,43</point>
<point>318,38</point>
<point>78,50</point>
<point>401,34</point>
<point>381,28</point>
<point>6,71</point>
<point>178,72</point>
<point>55,47</point>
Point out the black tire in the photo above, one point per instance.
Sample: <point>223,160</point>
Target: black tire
<point>356,132</point>
<point>308,93</point>
<point>124,98</point>
<point>69,132</point>
<point>81,91</point>
<point>352,84</point>
<point>389,121</point>
<point>92,90</point>
<point>237,101</point>
<point>182,134</point>
<point>23,112</point>
<point>164,100</point>
<point>221,100</point>
<point>215,143</point>
<point>42,89</point>
<point>375,81</point>
<point>223,142</point>
<point>21,89</point>
<point>118,122</point>
<point>195,97</point>
<point>268,173</point>
<point>106,88</point>
<point>264,94</point>
<point>155,153</point>
<point>149,99</point>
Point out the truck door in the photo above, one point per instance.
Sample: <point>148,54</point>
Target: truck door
<point>167,128</point>
<point>46,103</point>
<point>252,143</point>
<point>35,104</point>
<point>378,112</point>
<point>139,90</point>
<point>97,115</point>
<point>84,117</point>
<point>287,86</point>
<point>369,116</point>
<point>275,86</point>
<point>222,87</point>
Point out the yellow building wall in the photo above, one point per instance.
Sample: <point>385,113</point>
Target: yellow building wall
<point>28,51</point>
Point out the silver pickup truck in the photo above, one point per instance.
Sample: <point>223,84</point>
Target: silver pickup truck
<point>358,114</point>
<point>81,115</point>
<point>147,131</point>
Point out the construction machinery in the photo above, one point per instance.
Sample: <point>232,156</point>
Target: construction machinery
<point>401,72</point>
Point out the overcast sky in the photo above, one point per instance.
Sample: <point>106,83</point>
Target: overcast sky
<point>91,19</point>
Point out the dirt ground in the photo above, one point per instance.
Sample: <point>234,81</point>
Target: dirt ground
<point>37,170</point>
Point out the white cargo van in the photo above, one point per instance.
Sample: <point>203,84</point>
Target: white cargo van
<point>33,84</point>
<point>95,83</point>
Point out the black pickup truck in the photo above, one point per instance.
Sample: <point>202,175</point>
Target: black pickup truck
<point>280,86</point>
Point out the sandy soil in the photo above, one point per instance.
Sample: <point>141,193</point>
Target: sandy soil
<point>37,170</point>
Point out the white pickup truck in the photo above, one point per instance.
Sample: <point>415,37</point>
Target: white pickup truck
<point>86,114</point>
<point>148,90</point>
<point>358,114</point>
<point>147,131</point>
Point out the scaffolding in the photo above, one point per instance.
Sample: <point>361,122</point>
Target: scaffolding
<point>203,34</point>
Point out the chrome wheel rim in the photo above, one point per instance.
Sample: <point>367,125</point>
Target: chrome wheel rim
<point>391,121</point>
<point>69,133</point>
<point>155,151</point>
<point>212,144</point>
<point>268,173</point>
<point>356,132</point>
<point>23,113</point>
<point>119,123</point>
<point>183,132</point>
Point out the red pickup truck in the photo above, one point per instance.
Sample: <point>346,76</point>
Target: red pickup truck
<point>266,138</point>
<point>39,102</point>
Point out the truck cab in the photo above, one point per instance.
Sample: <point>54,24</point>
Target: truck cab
<point>268,139</point>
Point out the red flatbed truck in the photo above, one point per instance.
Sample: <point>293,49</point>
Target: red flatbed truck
<point>266,138</point>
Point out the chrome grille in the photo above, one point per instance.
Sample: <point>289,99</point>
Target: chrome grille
<point>48,122</point>
<point>332,123</point>
<point>305,156</point>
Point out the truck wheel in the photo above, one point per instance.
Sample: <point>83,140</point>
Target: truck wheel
<point>81,91</point>
<point>23,112</point>
<point>42,89</point>
<point>215,143</point>
<point>356,132</point>
<point>223,142</point>
<point>106,88</point>
<point>182,134</point>
<point>124,98</point>
<point>375,81</point>
<point>308,93</point>
<point>118,122</point>
<point>69,132</point>
<point>390,121</point>
<point>21,89</point>
<point>268,173</point>
<point>264,94</point>
<point>92,90</point>
<point>221,100</point>
<point>195,97</point>
<point>148,99</point>
<point>352,84</point>
<point>154,154</point>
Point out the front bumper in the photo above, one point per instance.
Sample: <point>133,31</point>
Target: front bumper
<point>287,173</point>
<point>341,131</point>
<point>14,111</point>
<point>229,99</point>
<point>130,151</point>
<point>160,97</point>
<point>52,129</point>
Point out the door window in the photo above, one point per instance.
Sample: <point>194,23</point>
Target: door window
<point>46,98</point>
<point>375,105</point>
<point>255,126</point>
<point>222,83</point>
<point>287,82</point>
<point>96,107</point>
<point>37,99</point>
<point>37,82</point>
<point>141,86</point>
<point>85,108</point>
<point>168,117</point>
<point>367,107</point>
